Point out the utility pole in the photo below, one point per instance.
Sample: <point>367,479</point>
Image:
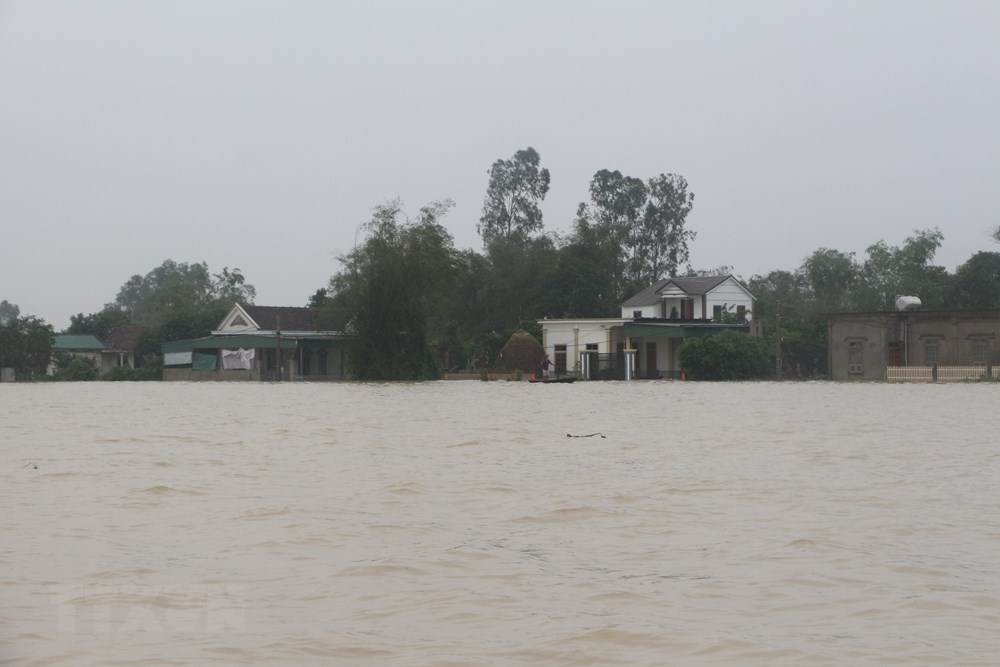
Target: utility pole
<point>277,344</point>
<point>777,341</point>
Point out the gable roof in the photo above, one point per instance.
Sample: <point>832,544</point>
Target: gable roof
<point>77,342</point>
<point>292,318</point>
<point>690,286</point>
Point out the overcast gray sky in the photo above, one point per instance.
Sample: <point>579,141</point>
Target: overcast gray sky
<point>260,134</point>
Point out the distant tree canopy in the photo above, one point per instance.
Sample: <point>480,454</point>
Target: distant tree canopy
<point>25,342</point>
<point>179,288</point>
<point>99,324</point>
<point>976,283</point>
<point>8,311</point>
<point>641,224</point>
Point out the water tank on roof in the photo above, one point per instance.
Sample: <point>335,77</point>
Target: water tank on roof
<point>907,303</point>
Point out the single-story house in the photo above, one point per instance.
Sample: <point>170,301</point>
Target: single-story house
<point>104,356</point>
<point>255,343</point>
<point>863,346</point>
<point>645,341</point>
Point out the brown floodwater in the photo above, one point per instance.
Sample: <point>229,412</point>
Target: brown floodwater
<point>457,524</point>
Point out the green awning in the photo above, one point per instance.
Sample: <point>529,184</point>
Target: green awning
<point>246,341</point>
<point>177,346</point>
<point>204,361</point>
<point>651,330</point>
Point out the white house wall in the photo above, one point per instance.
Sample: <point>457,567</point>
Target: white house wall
<point>577,334</point>
<point>654,310</point>
<point>730,295</point>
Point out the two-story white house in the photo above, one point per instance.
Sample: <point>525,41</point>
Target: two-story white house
<point>645,341</point>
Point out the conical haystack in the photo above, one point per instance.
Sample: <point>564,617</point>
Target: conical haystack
<point>522,353</point>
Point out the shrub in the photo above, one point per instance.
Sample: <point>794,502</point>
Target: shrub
<point>725,356</point>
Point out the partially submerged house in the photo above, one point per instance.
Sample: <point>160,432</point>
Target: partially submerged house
<point>254,343</point>
<point>117,351</point>
<point>645,341</point>
<point>913,344</point>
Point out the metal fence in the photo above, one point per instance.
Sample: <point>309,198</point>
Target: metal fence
<point>603,366</point>
<point>937,373</point>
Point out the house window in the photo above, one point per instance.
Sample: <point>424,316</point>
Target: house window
<point>560,359</point>
<point>932,351</point>
<point>637,313</point>
<point>716,313</point>
<point>855,357</point>
<point>980,352</point>
<point>741,314</point>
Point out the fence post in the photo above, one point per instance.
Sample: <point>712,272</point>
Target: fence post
<point>934,372</point>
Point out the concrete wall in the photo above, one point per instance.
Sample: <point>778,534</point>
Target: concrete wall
<point>576,334</point>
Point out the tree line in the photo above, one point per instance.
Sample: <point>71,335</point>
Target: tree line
<point>420,305</point>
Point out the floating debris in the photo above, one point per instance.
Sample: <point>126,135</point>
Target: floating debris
<point>589,435</point>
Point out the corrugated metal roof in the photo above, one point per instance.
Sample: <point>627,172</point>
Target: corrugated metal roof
<point>77,342</point>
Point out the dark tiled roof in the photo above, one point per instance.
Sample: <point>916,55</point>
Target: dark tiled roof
<point>297,319</point>
<point>123,337</point>
<point>648,295</point>
<point>690,286</point>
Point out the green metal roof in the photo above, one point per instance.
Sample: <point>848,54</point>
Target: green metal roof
<point>650,330</point>
<point>77,342</point>
<point>247,341</point>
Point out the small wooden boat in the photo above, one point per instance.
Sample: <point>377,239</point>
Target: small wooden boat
<point>566,379</point>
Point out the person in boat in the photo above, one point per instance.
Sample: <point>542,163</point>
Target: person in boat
<point>546,365</point>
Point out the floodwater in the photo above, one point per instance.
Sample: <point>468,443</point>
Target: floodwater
<point>445,524</point>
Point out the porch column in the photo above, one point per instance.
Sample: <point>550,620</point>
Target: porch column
<point>576,347</point>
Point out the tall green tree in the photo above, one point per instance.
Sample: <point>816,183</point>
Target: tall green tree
<point>587,279</point>
<point>613,219</point>
<point>645,222</point>
<point>890,271</point>
<point>390,285</point>
<point>8,311</point>
<point>803,327</point>
<point>26,346</point>
<point>231,287</point>
<point>516,189</point>
<point>832,278</point>
<point>976,283</point>
<point>660,243</point>
<point>99,324</point>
